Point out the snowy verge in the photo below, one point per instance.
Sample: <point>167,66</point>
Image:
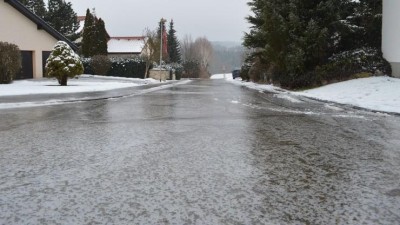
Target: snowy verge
<point>373,93</point>
<point>77,100</point>
<point>85,83</point>
<point>226,76</point>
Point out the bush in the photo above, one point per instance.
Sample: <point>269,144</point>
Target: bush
<point>10,62</point>
<point>100,64</point>
<point>191,69</point>
<point>87,66</point>
<point>348,64</point>
<point>63,63</point>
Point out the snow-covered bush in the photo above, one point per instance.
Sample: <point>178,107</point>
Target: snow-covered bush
<point>63,63</point>
<point>10,62</point>
<point>100,64</point>
<point>345,65</point>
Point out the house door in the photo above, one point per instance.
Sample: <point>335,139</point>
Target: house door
<point>26,71</point>
<point>45,56</point>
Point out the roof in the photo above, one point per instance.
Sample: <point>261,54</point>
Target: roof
<point>81,18</point>
<point>41,24</point>
<point>127,45</point>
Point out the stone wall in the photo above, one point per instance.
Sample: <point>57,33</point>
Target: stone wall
<point>159,74</point>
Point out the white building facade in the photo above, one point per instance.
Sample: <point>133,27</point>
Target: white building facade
<point>391,34</point>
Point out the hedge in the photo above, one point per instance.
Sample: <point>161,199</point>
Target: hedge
<point>10,62</point>
<point>120,67</point>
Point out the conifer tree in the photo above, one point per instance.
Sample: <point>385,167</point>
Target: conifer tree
<point>63,63</point>
<point>173,45</point>
<point>36,6</point>
<point>62,17</point>
<point>95,37</point>
<point>88,35</point>
<point>102,38</point>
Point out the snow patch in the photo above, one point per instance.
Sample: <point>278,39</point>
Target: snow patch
<point>48,86</point>
<point>374,93</point>
<point>226,76</point>
<point>287,97</point>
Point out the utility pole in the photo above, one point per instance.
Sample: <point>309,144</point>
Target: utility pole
<point>161,44</point>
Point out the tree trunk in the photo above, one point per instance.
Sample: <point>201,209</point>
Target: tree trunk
<point>63,81</point>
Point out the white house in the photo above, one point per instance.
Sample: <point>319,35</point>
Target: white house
<point>391,34</point>
<point>31,34</point>
<point>125,46</point>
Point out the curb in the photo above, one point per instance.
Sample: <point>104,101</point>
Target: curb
<point>96,96</point>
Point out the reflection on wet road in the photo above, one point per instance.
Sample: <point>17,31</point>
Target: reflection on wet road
<point>207,152</point>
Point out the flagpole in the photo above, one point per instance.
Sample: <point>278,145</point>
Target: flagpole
<point>161,45</point>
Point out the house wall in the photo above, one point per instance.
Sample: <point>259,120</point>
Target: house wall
<point>17,29</point>
<point>391,34</point>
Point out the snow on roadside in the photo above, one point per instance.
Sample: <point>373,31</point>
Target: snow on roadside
<point>111,78</point>
<point>374,93</point>
<point>77,100</point>
<point>226,76</point>
<point>86,83</point>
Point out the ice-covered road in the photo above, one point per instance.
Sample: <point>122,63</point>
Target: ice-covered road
<point>207,152</point>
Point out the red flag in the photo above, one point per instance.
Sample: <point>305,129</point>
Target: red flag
<point>165,43</point>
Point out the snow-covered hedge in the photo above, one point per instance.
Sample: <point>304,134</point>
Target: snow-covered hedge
<point>120,67</point>
<point>63,63</point>
<point>10,62</point>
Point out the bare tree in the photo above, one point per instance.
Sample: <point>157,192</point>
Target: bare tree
<point>151,48</point>
<point>204,53</point>
<point>187,48</point>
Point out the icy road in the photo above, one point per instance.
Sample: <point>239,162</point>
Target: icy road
<point>207,152</point>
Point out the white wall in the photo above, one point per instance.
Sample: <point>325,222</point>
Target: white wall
<point>391,34</point>
<point>17,29</point>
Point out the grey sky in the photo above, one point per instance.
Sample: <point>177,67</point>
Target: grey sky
<point>218,20</point>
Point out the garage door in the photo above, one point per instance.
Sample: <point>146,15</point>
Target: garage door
<point>27,66</point>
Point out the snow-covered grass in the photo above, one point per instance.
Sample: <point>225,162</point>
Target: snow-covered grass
<point>374,93</point>
<point>86,83</point>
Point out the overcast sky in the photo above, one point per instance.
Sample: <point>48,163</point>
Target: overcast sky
<point>218,20</point>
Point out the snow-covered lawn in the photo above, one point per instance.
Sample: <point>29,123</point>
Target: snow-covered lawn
<point>86,83</point>
<point>374,93</point>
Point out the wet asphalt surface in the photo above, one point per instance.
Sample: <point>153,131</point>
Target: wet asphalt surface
<point>207,152</point>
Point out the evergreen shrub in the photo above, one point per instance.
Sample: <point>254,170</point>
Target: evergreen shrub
<point>63,63</point>
<point>191,69</point>
<point>87,66</point>
<point>348,64</point>
<point>10,62</point>
<point>100,64</point>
